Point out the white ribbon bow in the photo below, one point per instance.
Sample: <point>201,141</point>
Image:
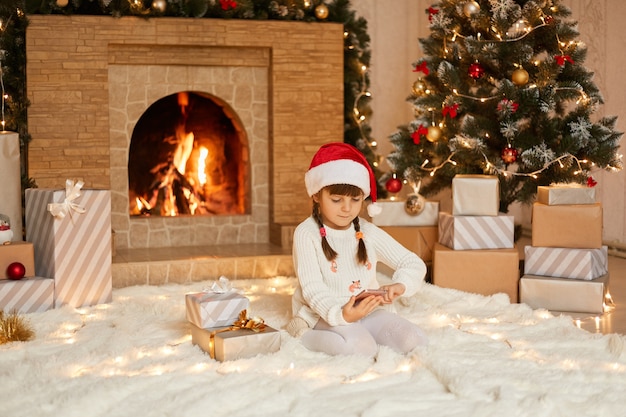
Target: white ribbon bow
<point>72,192</point>
<point>220,286</point>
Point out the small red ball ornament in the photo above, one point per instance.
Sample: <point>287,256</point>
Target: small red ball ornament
<point>509,155</point>
<point>393,185</point>
<point>476,70</point>
<point>16,271</point>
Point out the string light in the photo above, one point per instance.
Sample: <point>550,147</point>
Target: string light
<point>359,118</point>
<point>4,95</point>
<point>493,168</point>
<point>518,38</point>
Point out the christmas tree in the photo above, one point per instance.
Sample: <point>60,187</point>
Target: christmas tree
<point>502,90</point>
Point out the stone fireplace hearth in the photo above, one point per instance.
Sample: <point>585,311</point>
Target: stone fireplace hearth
<point>90,83</point>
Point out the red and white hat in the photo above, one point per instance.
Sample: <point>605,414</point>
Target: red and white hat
<point>342,163</point>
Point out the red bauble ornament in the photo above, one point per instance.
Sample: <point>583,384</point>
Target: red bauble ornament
<point>393,185</point>
<point>16,271</point>
<point>476,70</point>
<point>509,155</point>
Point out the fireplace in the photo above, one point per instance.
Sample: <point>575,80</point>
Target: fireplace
<point>169,105</point>
<point>280,85</point>
<point>188,155</point>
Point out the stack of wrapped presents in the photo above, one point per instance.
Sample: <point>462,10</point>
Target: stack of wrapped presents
<point>220,325</point>
<point>566,266</point>
<point>416,232</point>
<point>24,292</point>
<point>67,252</point>
<point>476,250</point>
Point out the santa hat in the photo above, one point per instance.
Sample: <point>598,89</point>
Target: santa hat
<point>341,163</point>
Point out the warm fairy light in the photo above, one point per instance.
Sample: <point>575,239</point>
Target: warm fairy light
<point>4,96</point>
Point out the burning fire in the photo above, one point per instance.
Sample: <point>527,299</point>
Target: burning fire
<point>193,178</point>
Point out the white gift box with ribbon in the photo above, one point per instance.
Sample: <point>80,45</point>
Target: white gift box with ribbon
<point>71,233</point>
<point>217,306</point>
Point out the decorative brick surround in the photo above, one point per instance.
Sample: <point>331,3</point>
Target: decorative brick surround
<point>90,78</point>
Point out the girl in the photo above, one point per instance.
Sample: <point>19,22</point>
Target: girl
<point>335,254</point>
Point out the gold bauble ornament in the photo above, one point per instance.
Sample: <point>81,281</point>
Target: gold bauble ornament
<point>321,11</point>
<point>419,87</point>
<point>159,5</point>
<point>471,8</point>
<point>434,133</point>
<point>520,76</point>
<point>62,3</point>
<point>414,204</point>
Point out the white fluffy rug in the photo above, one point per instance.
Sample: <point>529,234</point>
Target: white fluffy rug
<point>486,357</point>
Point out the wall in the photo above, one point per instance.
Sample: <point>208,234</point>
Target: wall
<point>396,25</point>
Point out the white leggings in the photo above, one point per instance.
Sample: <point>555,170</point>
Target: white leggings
<point>381,327</point>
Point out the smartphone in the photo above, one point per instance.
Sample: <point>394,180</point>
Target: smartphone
<point>367,293</point>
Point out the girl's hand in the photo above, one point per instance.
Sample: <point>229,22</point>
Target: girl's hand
<point>393,291</point>
<point>353,311</point>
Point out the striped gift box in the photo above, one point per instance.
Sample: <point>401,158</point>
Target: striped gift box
<point>476,232</point>
<point>211,309</point>
<point>28,295</point>
<point>74,250</point>
<point>574,263</point>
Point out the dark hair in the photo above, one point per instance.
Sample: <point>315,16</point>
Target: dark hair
<point>350,191</point>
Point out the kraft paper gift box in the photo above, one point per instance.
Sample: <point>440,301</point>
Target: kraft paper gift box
<point>394,214</point>
<point>476,232</point>
<point>27,295</point>
<point>17,251</point>
<point>417,239</point>
<point>559,194</point>
<point>566,262</point>
<point>235,344</point>
<point>486,272</point>
<point>564,294</point>
<point>567,226</point>
<point>475,195</point>
<point>213,309</point>
<point>71,232</point>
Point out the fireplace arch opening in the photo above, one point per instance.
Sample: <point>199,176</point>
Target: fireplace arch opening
<point>188,155</point>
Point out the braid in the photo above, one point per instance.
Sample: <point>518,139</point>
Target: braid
<point>362,252</point>
<point>329,252</point>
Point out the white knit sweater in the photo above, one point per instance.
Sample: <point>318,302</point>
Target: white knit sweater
<point>323,289</point>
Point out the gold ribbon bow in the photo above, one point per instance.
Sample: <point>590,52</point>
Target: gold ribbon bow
<point>256,324</point>
<point>72,192</point>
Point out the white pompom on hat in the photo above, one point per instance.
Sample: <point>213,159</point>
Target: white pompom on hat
<point>342,163</point>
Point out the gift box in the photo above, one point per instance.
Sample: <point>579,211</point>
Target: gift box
<point>475,195</point>
<point>418,239</point>
<point>10,172</point>
<point>28,295</point>
<point>71,233</point>
<point>394,214</point>
<point>566,262</point>
<point>559,194</point>
<point>567,226</point>
<point>22,252</point>
<point>213,309</point>
<point>563,294</point>
<point>476,232</point>
<point>228,343</point>
<point>485,272</point>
